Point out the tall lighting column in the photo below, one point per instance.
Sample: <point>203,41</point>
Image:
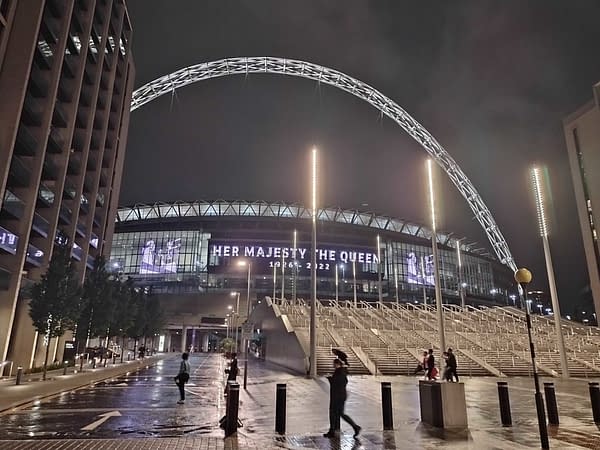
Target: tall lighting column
<point>282,277</point>
<point>247,342</point>
<point>354,280</point>
<point>313,271</point>
<point>337,283</point>
<point>295,274</point>
<point>379,271</point>
<point>436,266</point>
<point>537,177</point>
<point>461,288</point>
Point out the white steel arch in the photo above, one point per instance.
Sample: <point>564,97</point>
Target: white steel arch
<point>281,66</point>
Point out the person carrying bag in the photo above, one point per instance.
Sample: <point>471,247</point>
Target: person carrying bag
<point>183,377</point>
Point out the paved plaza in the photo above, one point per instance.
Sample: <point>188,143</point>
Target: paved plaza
<point>139,411</point>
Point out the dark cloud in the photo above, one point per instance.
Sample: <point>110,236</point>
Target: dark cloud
<point>491,80</point>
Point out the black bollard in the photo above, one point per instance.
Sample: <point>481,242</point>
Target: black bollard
<point>19,375</point>
<point>551,405</point>
<point>595,398</point>
<point>386,405</point>
<point>280,408</point>
<point>233,403</point>
<point>65,367</point>
<point>504,400</point>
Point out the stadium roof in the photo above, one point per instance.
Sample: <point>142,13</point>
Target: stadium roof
<point>142,211</point>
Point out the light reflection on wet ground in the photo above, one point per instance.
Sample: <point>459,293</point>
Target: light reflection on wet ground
<point>147,400</point>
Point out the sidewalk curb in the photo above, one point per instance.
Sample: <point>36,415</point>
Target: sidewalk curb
<point>20,404</point>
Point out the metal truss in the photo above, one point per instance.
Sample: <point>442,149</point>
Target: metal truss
<point>222,208</point>
<point>303,69</point>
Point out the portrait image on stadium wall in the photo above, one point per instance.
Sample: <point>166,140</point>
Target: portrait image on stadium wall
<point>160,256</point>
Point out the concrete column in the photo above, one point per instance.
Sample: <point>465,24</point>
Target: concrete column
<point>205,339</point>
<point>184,339</point>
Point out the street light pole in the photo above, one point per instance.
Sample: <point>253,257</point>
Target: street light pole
<point>282,277</point>
<point>523,278</point>
<point>536,176</point>
<point>237,316</point>
<point>436,265</point>
<point>295,274</point>
<point>461,289</point>
<point>396,283</point>
<point>247,320</point>
<point>274,281</point>
<point>379,271</point>
<point>354,281</point>
<point>313,271</point>
<point>336,283</point>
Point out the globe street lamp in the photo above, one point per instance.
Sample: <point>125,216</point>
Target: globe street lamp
<point>523,278</point>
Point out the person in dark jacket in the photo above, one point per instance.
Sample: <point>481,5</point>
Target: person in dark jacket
<point>430,366</point>
<point>451,366</point>
<point>340,355</point>
<point>337,399</point>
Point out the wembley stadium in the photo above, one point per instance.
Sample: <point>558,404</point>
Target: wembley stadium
<point>194,247</point>
<point>216,265</point>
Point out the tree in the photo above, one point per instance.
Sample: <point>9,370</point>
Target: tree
<point>126,309</point>
<point>99,304</point>
<point>56,303</point>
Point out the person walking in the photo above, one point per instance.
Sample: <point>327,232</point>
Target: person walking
<point>183,377</point>
<point>451,366</point>
<point>422,366</point>
<point>430,374</point>
<point>337,399</point>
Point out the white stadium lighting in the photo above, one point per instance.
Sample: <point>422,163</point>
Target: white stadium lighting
<point>313,271</point>
<point>537,178</point>
<point>436,266</point>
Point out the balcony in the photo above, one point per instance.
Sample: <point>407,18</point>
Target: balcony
<point>26,143</point>
<point>45,195</point>
<point>18,176</point>
<point>12,206</point>
<point>8,241</point>
<point>34,256</point>
<point>40,225</point>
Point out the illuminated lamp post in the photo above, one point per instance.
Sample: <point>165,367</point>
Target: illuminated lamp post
<point>237,316</point>
<point>337,283</point>
<point>536,176</point>
<point>354,279</point>
<point>396,283</point>
<point>523,278</point>
<point>282,277</point>
<point>313,271</point>
<point>436,267</point>
<point>274,280</point>
<point>461,288</point>
<point>379,271</point>
<point>243,263</point>
<point>295,274</point>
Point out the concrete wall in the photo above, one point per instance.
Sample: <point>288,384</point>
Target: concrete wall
<point>281,346</point>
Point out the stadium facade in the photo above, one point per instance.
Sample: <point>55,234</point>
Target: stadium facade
<point>189,248</point>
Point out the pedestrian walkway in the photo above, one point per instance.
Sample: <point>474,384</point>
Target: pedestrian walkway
<point>33,388</point>
<point>149,417</point>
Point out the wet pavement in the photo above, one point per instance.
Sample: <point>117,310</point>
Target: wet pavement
<point>140,410</point>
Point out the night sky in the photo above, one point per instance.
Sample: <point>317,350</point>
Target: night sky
<point>491,80</point>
